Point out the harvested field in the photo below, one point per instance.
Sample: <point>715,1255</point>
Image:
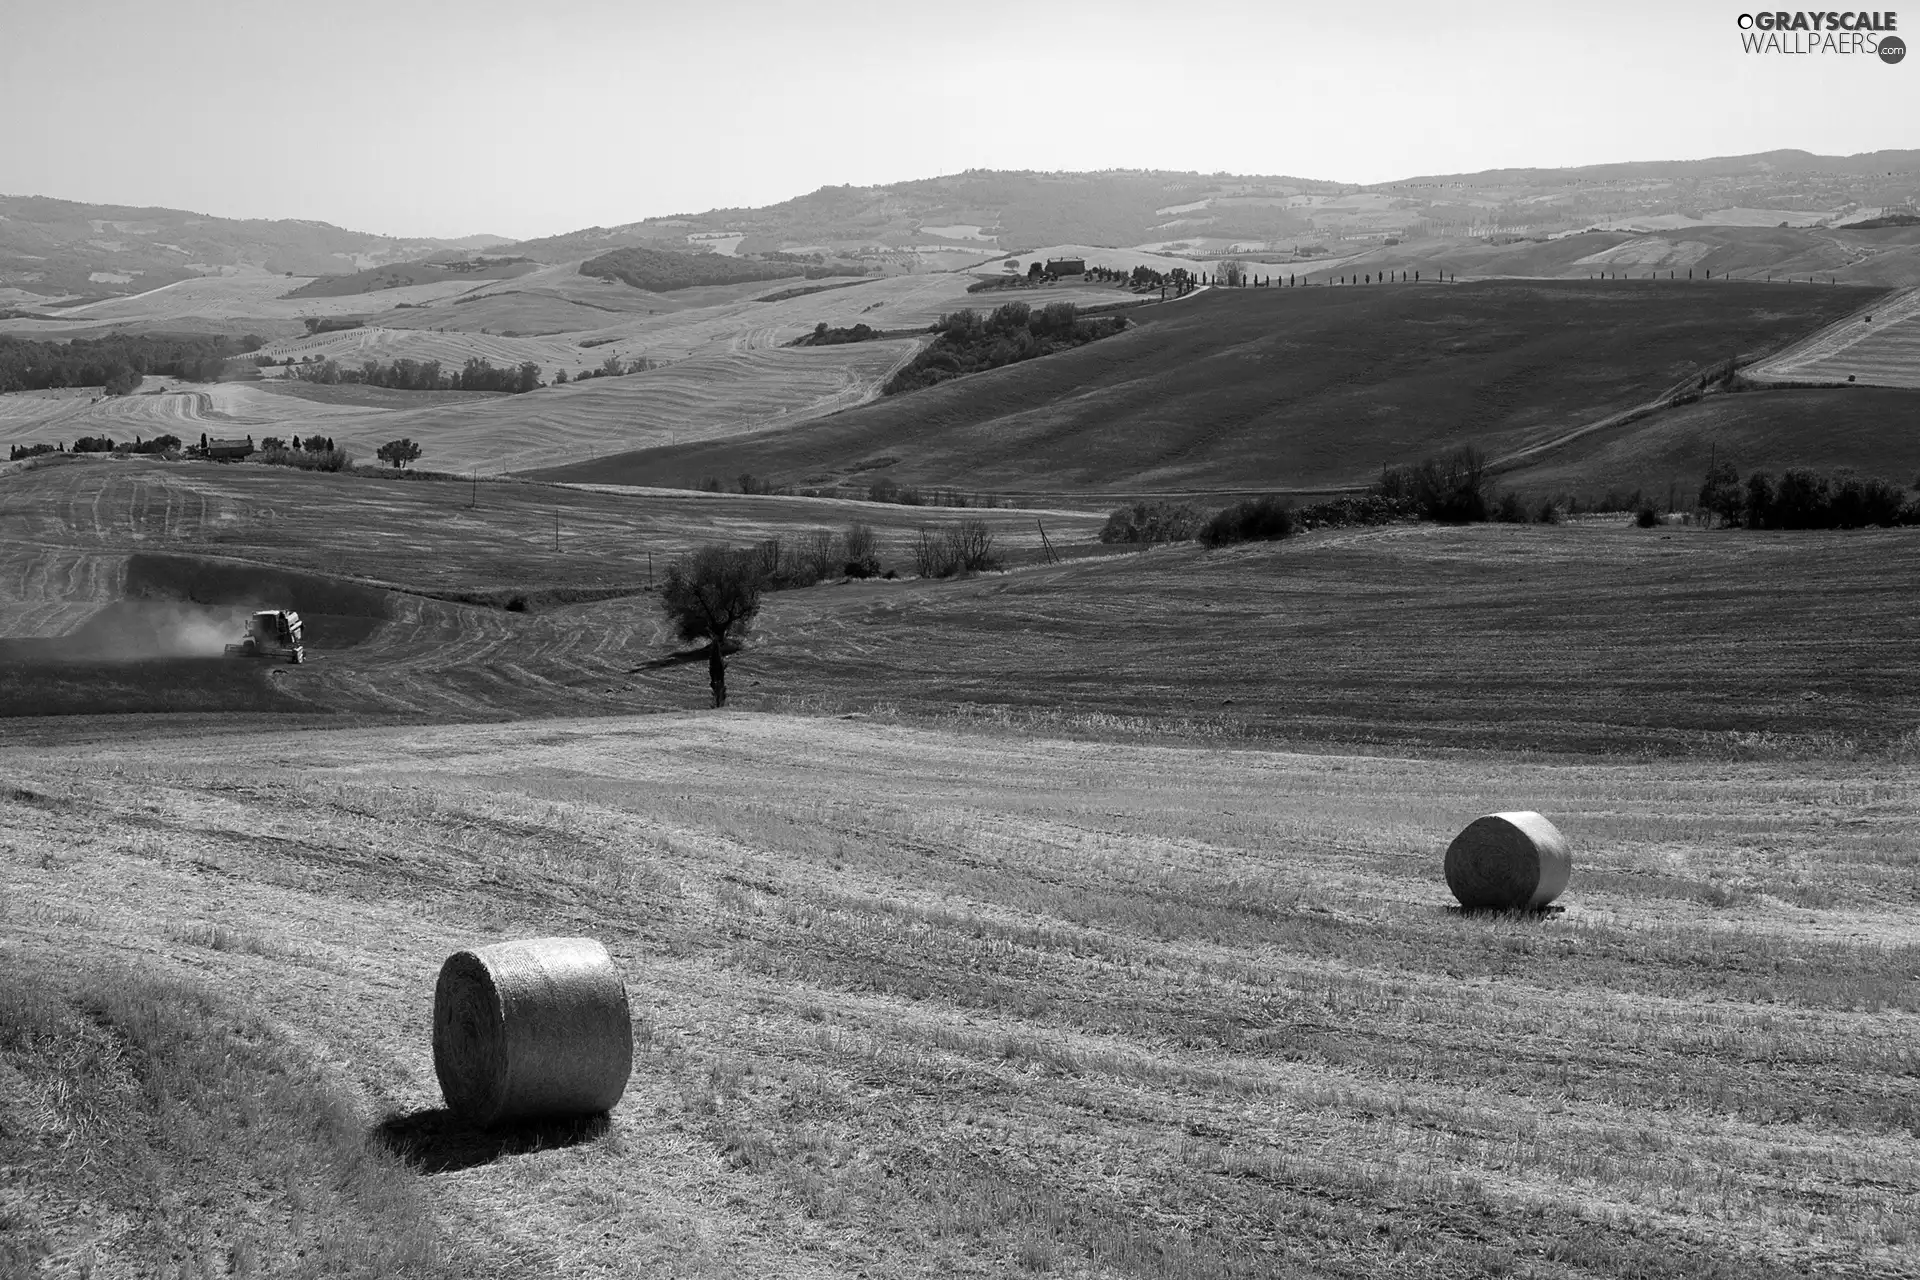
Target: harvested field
<point>184,409</point>
<point>1590,637</point>
<point>915,1003</point>
<point>421,534</point>
<point>248,301</point>
<point>894,304</point>
<point>353,347</point>
<point>719,394</point>
<point>1278,388</point>
<point>709,397</point>
<point>1881,351</point>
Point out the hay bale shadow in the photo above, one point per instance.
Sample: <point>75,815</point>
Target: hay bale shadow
<point>1519,914</point>
<point>437,1141</point>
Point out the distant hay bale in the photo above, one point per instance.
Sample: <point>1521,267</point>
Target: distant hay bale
<point>1508,861</point>
<point>531,1029</point>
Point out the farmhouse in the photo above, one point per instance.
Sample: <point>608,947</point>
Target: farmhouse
<point>229,450</point>
<point>1066,266</point>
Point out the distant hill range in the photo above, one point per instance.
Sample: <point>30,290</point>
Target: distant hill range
<point>59,249</point>
<point>983,212</point>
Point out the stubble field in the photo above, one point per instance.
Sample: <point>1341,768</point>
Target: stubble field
<point>916,1002</point>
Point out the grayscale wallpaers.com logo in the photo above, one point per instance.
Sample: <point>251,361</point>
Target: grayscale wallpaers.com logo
<point>1830,32</point>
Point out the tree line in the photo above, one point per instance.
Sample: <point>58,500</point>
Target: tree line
<point>1804,499</point>
<point>968,342</point>
<point>477,374</point>
<point>114,363</point>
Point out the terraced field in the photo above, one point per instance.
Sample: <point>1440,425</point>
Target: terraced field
<point>1879,346</point>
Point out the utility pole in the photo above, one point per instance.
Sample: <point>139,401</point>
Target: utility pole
<point>475,500</point>
<point>556,526</point>
<point>1051,557</point>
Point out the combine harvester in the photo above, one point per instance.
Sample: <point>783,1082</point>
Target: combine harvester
<point>272,633</point>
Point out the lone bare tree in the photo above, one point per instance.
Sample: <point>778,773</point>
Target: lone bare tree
<point>713,594</point>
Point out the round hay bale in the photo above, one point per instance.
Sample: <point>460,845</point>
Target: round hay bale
<point>529,1029</point>
<point>1508,862</point>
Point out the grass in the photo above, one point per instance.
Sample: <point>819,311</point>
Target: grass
<point>430,536</point>
<point>1593,638</point>
<point>919,1002</point>
<point>1858,428</point>
<point>1280,388</point>
<point>152,1127</point>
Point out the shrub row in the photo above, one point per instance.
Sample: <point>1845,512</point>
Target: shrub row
<point>1803,499</point>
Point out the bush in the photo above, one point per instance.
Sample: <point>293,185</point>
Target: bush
<point>1453,489</point>
<point>966,547</point>
<point>1256,520</point>
<point>1547,513</point>
<point>305,459</point>
<point>1646,517</point>
<point>1804,499</point>
<point>1510,510</point>
<point>822,336</point>
<point>1345,512</point>
<point>1151,522</point>
<point>862,562</point>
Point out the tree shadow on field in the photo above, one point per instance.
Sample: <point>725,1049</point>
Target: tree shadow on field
<point>435,1140</point>
<point>684,656</point>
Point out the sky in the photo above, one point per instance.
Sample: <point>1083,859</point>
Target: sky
<point>427,118</point>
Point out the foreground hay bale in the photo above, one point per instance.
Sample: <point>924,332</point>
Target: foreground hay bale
<point>1509,862</point>
<point>530,1029</point>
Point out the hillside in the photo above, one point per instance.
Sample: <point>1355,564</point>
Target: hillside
<point>1291,388</point>
<point>54,251</point>
<point>62,250</point>
<point>984,212</point>
<point>402,275</point>
<point>1866,429</point>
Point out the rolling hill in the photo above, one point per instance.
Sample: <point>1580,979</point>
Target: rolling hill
<point>61,249</point>
<point>1872,430</point>
<point>988,211</point>
<point>1289,388</point>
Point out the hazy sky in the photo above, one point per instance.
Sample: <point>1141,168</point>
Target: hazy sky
<point>415,117</point>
